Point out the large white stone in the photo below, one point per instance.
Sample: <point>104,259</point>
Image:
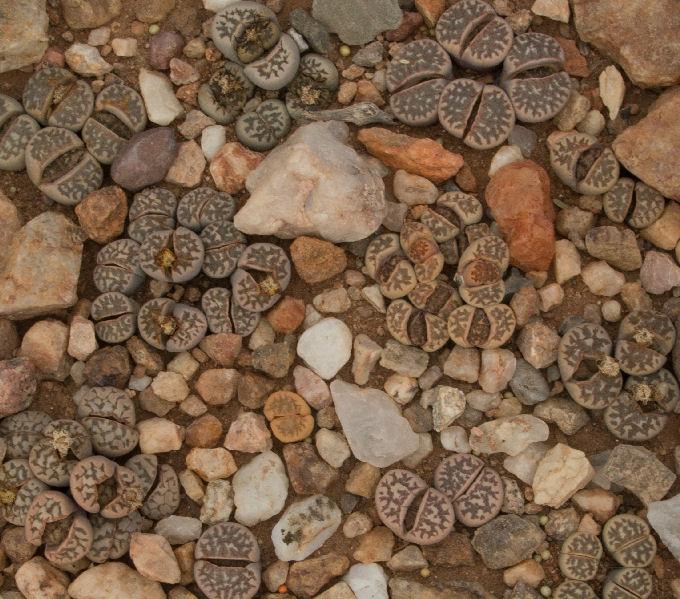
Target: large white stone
<point>326,347</point>
<point>376,431</point>
<point>511,434</point>
<point>314,184</point>
<point>367,581</point>
<point>162,106</point>
<point>561,472</point>
<point>260,489</point>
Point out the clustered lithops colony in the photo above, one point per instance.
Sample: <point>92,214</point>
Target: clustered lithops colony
<point>78,486</point>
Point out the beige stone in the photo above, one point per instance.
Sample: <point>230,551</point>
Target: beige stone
<point>561,472</point>
<point>114,580</point>
<point>153,558</point>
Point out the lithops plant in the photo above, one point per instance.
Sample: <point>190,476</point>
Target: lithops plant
<point>412,326</point>
<point>202,206</point>
<point>422,250</point>
<point>660,387</point>
<point>580,556</point>
<point>628,540</point>
<point>574,589</point>
<point>625,419</point>
<point>480,271</point>
<point>452,211</point>
<point>475,490</point>
<point>63,444</point>
<point>481,115</point>
<point>262,275</point>
<point>226,93</point>
<point>21,431</point>
<point>152,209</point>
<point>589,373</point>
<point>54,96</point>
<point>645,339</point>
<point>387,264</point>
<point>55,520</point>
<point>227,562</point>
<point>636,203</point>
<point>118,114</point>
<point>435,297</point>
<point>416,61</point>
<point>476,37</point>
<point>313,86</point>
<point>159,484</point>
<point>115,316</point>
<point>582,163</point>
<point>278,68</point>
<point>225,316</point>
<point>400,493</point>
<point>289,416</point>
<point>117,268</point>
<point>628,583</point>
<point>486,328</point>
<point>16,128</point>
<point>58,164</point>
<point>224,244</point>
<point>100,486</point>
<point>172,256</point>
<point>264,127</point>
<point>18,488</point>
<point>108,414</point>
<point>417,106</point>
<point>165,324</point>
<point>111,538</point>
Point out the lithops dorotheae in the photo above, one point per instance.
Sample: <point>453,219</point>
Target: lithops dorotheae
<point>115,316</point>
<point>262,275</point>
<point>117,268</point>
<point>533,77</point>
<point>628,583</point>
<point>635,203</point>
<point>108,414</point>
<point>581,163</point>
<point>172,256</point>
<point>118,114</point>
<point>165,324</point>
<point>289,416</point>
<point>481,115</point>
<point>54,96</point>
<point>574,589</point>
<point>660,387</point>
<point>645,339</point>
<point>62,445</point>
<point>16,128</point>
<point>580,556</point>
<point>435,297</point>
<point>224,244</point>
<point>625,419</point>
<point>227,562</point>
<point>628,540</point>
<point>476,37</point>
<point>226,93</point>
<point>244,18</point>
<point>262,128</point>
<point>412,326</point>
<point>225,316</point>
<point>111,538</point>
<point>387,264</point>
<point>474,489</point>
<point>480,271</point>
<point>416,61</point>
<point>487,328</point>
<point>152,209</point>
<point>202,206</point>
<point>276,69</point>
<point>58,164</point>
<point>401,492</point>
<point>312,89</point>
<point>22,430</point>
<point>452,211</point>
<point>416,106</point>
<point>100,486</point>
<point>589,373</point>
<point>159,484</point>
<point>55,520</point>
<point>18,488</point>
<point>422,250</point>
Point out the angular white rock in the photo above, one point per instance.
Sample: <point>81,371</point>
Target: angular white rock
<point>612,90</point>
<point>524,464</point>
<point>367,581</point>
<point>260,489</point>
<point>664,516</point>
<point>561,472</point>
<point>161,104</point>
<point>510,435</point>
<point>212,139</point>
<point>326,347</point>
<point>557,10</point>
<point>504,155</point>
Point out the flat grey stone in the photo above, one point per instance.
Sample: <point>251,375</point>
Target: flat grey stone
<point>506,541</point>
<point>357,22</point>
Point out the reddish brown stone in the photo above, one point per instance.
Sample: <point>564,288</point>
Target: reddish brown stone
<point>206,431</point>
<point>575,63</point>
<point>222,348</point>
<point>287,315</point>
<point>316,260</point>
<point>519,197</point>
<point>409,23</point>
<point>102,214</point>
<point>231,166</point>
<point>308,577</point>
<point>188,93</point>
<point>431,10</point>
<point>465,179</point>
<point>424,156</point>
<point>367,92</point>
<point>308,473</point>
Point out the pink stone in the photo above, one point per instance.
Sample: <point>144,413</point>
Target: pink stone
<point>248,433</point>
<point>231,166</point>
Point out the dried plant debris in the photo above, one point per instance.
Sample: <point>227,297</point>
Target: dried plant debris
<point>203,206</point>
<point>633,202</point>
<point>226,93</point>
<point>574,589</point>
<point>264,127</point>
<point>289,416</point>
<point>262,275</point>
<point>115,316</point>
<point>117,268</point>
<point>165,324</point>
<point>480,271</point>
<point>628,583</point>
<point>660,388</point>
<point>645,339</point>
<point>225,316</point>
<point>474,35</point>
<point>628,540</point>
<point>626,420</point>
<point>486,328</point>
<point>16,128</point>
<point>111,538</point>
<point>172,256</point>
<point>21,431</point>
<point>18,488</point>
<point>481,115</point>
<point>412,510</point>
<point>580,556</point>
<point>152,209</point>
<point>589,373</point>
<point>223,244</point>
<point>278,68</point>
<point>416,61</point>
<point>412,326</point>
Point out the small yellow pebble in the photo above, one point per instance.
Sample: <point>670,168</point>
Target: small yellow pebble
<point>545,555</point>
<point>546,591</point>
<point>537,558</point>
<point>543,520</point>
<point>425,572</point>
<point>154,29</point>
<point>345,50</point>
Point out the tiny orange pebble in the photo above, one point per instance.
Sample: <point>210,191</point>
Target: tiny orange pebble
<point>282,589</point>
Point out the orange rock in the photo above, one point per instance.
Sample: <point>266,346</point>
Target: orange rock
<point>465,179</point>
<point>424,157</point>
<point>367,92</point>
<point>519,197</point>
<point>317,260</point>
<point>102,213</point>
<point>287,315</point>
<point>231,165</point>
<point>575,63</point>
<point>431,10</point>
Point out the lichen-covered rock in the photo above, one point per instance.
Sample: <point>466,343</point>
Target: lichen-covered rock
<point>23,33</point>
